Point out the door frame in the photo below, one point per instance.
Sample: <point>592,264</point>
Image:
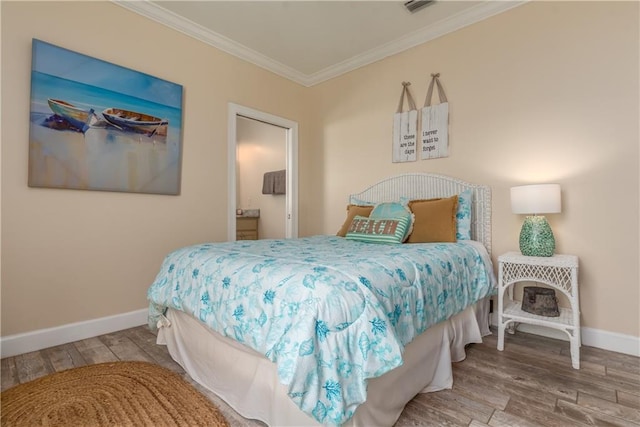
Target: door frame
<point>291,135</point>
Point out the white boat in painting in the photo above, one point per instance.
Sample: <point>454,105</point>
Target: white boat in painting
<point>80,118</point>
<point>135,122</point>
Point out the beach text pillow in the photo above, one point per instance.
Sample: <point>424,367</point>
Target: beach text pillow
<point>378,230</point>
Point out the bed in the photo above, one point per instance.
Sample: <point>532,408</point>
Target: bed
<point>328,330</point>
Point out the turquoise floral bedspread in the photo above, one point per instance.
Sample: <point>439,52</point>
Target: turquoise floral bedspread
<point>330,312</point>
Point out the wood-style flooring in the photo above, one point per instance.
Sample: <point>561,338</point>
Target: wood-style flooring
<point>531,383</point>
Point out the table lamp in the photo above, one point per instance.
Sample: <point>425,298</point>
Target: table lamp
<point>536,237</point>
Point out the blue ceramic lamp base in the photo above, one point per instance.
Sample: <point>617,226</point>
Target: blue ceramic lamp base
<point>536,237</point>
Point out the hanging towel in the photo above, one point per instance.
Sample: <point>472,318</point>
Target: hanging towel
<point>275,182</point>
<point>280,182</point>
<point>268,183</point>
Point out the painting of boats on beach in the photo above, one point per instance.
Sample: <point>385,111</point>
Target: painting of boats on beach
<point>95,125</point>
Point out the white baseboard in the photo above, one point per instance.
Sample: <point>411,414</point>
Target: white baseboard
<point>13,345</point>
<point>612,341</point>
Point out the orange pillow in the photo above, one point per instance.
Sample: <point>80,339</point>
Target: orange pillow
<point>435,220</point>
<point>352,211</point>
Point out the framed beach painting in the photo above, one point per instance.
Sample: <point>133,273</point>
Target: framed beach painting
<point>99,126</point>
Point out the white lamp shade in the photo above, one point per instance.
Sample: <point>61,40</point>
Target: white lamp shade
<point>535,199</point>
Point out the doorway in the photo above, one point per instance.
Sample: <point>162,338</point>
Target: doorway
<point>237,113</point>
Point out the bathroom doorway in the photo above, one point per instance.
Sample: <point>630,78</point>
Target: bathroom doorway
<point>259,142</point>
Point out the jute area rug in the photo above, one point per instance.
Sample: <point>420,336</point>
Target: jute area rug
<point>109,394</point>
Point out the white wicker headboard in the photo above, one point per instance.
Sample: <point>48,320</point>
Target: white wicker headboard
<point>429,186</point>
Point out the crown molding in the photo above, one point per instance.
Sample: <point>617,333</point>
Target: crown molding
<point>197,31</point>
<point>433,31</point>
<point>460,20</point>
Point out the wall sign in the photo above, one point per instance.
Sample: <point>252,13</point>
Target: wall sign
<point>435,124</point>
<point>405,129</point>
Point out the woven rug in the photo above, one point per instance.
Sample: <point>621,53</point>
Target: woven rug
<point>109,394</point>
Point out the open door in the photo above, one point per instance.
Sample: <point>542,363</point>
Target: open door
<point>291,135</point>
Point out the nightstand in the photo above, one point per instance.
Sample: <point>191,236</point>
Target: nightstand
<point>246,228</point>
<point>560,272</point>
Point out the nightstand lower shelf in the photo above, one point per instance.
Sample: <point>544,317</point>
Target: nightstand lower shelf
<point>513,314</point>
<point>513,311</point>
<point>560,272</point>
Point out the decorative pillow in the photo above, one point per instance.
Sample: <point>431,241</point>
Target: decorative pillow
<point>435,220</point>
<point>394,210</point>
<point>352,211</point>
<point>378,230</point>
<point>463,216</point>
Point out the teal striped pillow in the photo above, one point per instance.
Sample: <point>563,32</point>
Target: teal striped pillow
<point>378,230</point>
<point>394,210</point>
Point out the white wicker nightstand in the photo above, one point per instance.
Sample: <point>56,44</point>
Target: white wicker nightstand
<point>558,271</point>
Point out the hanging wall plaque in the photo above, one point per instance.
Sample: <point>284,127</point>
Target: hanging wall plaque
<point>435,124</point>
<point>405,128</point>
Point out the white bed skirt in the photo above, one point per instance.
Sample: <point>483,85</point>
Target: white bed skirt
<point>248,381</point>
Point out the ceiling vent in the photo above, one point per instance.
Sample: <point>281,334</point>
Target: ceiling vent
<point>415,5</point>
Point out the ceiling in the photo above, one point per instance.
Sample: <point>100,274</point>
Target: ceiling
<point>313,41</point>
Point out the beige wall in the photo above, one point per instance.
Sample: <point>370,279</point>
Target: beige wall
<point>261,148</point>
<point>70,256</point>
<point>546,92</point>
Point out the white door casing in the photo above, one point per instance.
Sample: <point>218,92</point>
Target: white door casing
<point>291,198</point>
